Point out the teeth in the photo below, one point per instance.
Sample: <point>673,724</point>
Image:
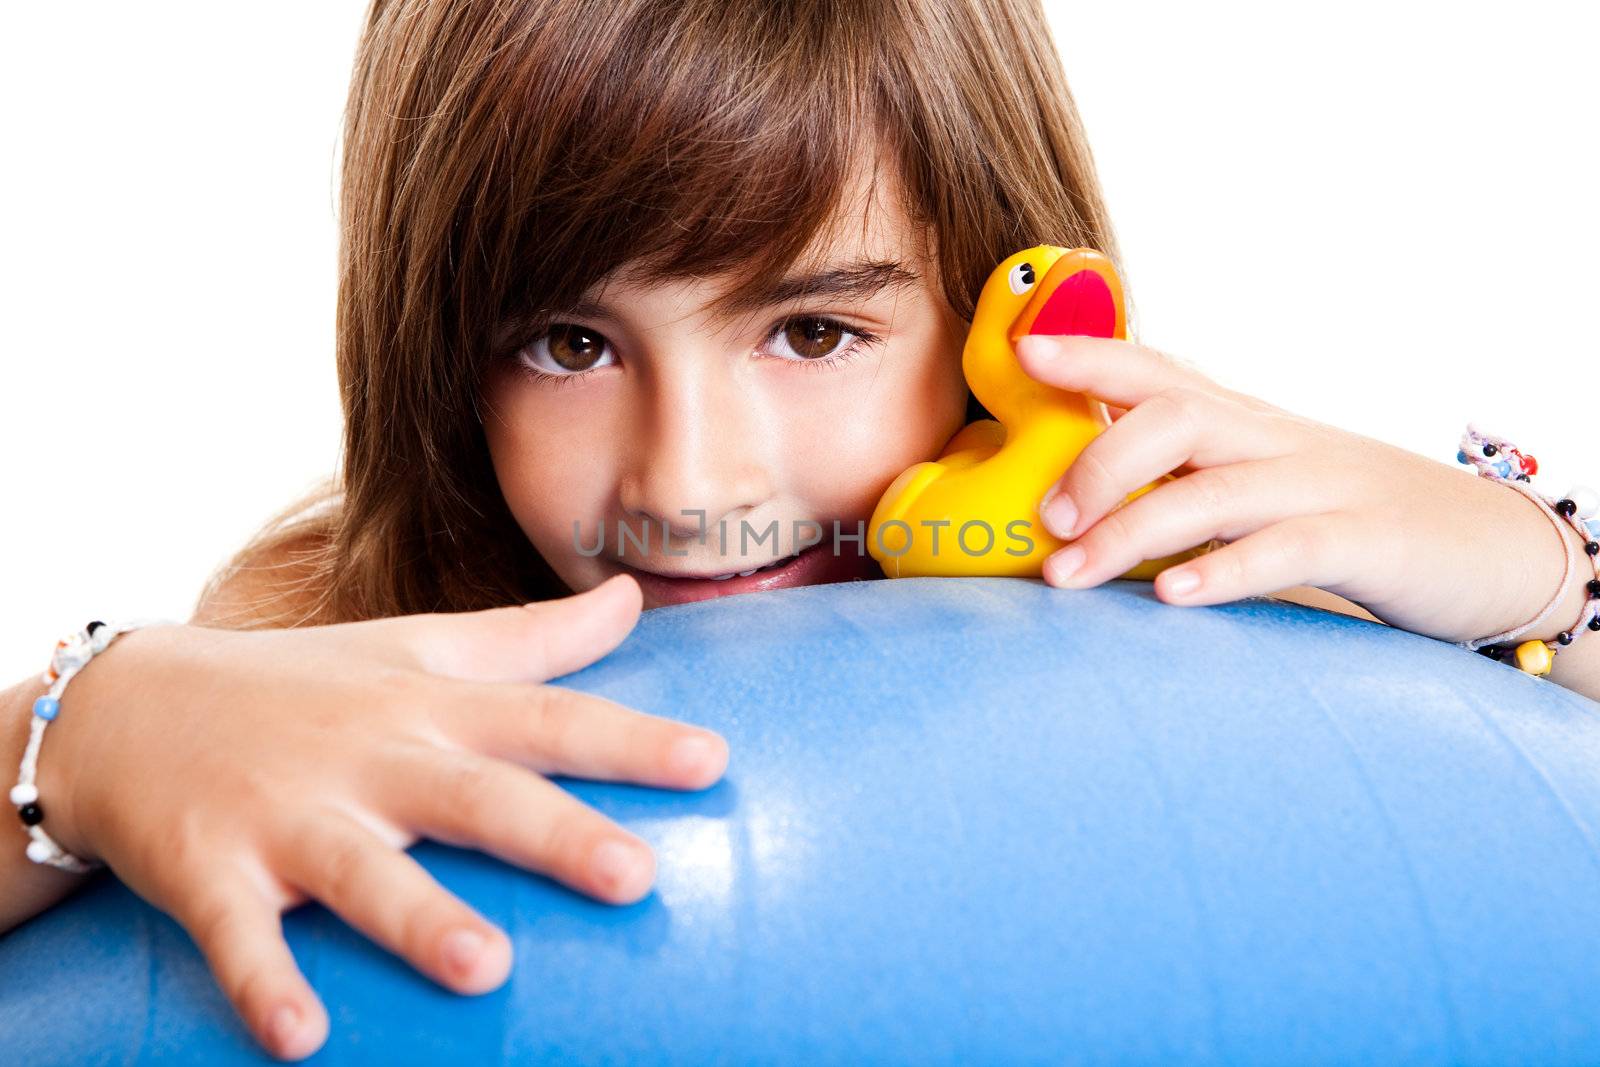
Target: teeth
<point>752,570</point>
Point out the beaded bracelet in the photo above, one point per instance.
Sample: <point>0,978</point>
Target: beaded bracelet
<point>1500,461</point>
<point>70,656</point>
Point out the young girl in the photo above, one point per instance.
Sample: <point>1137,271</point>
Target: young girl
<point>654,265</point>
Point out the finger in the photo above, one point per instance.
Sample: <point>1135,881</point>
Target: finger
<point>530,643</point>
<point>553,730</point>
<point>390,898</point>
<point>1172,429</point>
<point>1224,502</point>
<point>1115,371</point>
<point>1314,550</point>
<point>469,800</point>
<point>241,936</point>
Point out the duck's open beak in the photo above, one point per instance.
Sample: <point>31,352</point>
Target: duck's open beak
<point>1072,298</point>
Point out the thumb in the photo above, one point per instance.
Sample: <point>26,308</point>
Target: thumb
<point>533,642</point>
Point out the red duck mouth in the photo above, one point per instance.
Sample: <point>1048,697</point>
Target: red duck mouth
<point>1071,299</point>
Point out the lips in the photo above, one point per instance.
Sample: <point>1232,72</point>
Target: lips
<point>817,565</point>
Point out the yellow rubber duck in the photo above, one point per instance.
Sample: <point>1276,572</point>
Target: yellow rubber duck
<point>974,510</point>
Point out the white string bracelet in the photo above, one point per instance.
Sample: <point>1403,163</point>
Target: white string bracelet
<point>71,654</point>
<point>1499,460</point>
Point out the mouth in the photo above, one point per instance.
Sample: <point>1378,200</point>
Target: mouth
<point>817,565</point>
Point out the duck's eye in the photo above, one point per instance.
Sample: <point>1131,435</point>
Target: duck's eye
<point>1021,278</point>
<point>566,348</point>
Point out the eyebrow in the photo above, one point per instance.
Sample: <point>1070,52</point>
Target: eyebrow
<point>853,280</point>
<point>859,281</point>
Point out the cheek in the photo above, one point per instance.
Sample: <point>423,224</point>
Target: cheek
<point>534,446</point>
<point>883,423</point>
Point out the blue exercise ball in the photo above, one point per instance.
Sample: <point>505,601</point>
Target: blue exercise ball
<point>983,820</point>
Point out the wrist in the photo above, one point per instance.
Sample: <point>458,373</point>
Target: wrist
<point>1567,612</point>
<point>1530,552</point>
<point>58,771</point>
<point>64,741</point>
<point>29,887</point>
<point>18,723</point>
<point>1568,615</point>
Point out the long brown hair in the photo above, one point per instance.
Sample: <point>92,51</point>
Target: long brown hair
<point>504,155</point>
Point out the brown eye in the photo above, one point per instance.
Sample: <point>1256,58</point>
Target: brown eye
<point>819,340</point>
<point>813,338</point>
<point>566,349</point>
<point>575,347</point>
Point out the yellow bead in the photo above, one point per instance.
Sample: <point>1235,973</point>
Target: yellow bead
<point>1535,657</point>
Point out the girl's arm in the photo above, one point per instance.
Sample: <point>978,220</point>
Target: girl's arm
<point>1422,545</point>
<point>1578,665</point>
<point>225,776</point>
<point>248,595</point>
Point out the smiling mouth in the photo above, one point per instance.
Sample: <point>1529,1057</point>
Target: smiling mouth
<point>704,577</point>
<point>816,564</point>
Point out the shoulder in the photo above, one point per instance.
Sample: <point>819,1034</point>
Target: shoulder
<point>279,579</point>
<point>276,584</point>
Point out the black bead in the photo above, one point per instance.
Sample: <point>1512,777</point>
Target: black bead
<point>1593,548</point>
<point>31,814</point>
<point>1594,587</point>
<point>1490,450</point>
<point>1564,638</point>
<point>93,626</point>
<point>1566,508</point>
<point>1594,623</point>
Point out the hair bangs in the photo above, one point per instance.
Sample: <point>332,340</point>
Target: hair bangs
<point>734,154</point>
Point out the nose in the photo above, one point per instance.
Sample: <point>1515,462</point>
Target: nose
<point>697,447</point>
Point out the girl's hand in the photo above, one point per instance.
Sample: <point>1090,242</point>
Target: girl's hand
<point>1422,545</point>
<point>228,775</point>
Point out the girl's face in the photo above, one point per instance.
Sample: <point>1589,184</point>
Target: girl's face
<point>641,434</point>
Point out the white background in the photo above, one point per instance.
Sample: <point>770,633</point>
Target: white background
<point>1379,215</point>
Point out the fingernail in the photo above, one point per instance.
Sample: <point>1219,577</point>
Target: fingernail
<point>1058,512</point>
<point>283,1026</point>
<point>462,949</point>
<point>689,755</point>
<point>1180,583</point>
<point>618,864</point>
<point>1063,565</point>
